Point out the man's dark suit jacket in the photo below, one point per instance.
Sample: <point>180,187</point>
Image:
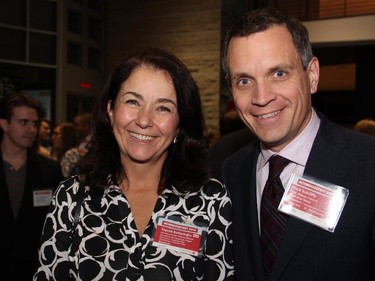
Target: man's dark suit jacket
<point>307,252</point>
<point>225,146</point>
<point>20,239</point>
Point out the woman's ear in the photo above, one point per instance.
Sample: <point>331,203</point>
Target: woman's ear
<point>176,136</point>
<point>110,112</point>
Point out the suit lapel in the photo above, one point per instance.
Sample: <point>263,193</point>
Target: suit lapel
<point>325,162</point>
<point>249,203</point>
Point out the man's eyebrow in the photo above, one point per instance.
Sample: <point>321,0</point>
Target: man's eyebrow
<point>280,67</point>
<point>27,120</point>
<point>239,74</point>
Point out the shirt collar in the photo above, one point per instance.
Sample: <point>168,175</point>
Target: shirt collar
<point>298,150</point>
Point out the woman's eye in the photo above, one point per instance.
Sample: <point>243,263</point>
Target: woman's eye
<point>131,102</point>
<point>163,108</point>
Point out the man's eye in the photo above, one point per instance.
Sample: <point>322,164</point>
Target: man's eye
<point>280,73</point>
<point>243,82</point>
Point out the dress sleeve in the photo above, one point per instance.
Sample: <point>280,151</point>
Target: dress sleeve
<point>54,260</point>
<point>69,162</point>
<point>219,264</point>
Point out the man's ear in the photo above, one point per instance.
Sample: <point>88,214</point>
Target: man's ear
<point>4,125</point>
<point>313,72</point>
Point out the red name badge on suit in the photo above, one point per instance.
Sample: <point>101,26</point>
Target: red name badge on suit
<point>315,201</point>
<point>178,236</point>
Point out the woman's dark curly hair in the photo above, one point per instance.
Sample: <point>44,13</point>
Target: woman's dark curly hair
<point>185,167</point>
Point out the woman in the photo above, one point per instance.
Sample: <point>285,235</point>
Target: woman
<point>150,211</point>
<point>64,137</point>
<point>64,148</point>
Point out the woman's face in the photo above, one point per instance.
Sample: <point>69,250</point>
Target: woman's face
<point>144,116</point>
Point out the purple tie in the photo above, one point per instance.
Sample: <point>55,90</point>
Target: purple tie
<point>272,221</point>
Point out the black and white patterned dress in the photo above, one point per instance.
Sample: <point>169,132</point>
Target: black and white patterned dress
<point>109,245</point>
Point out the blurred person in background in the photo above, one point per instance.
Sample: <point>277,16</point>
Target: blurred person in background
<point>27,182</point>
<point>82,123</point>
<point>64,137</point>
<point>43,141</point>
<point>64,148</point>
<point>366,126</point>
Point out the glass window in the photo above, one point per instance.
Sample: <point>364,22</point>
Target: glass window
<point>323,9</point>
<point>12,12</point>
<point>78,1</point>
<point>77,103</point>
<point>43,15</point>
<point>96,5</point>
<point>94,59</point>
<point>74,53</point>
<point>95,29</point>
<point>42,48</point>
<point>13,48</point>
<point>75,22</point>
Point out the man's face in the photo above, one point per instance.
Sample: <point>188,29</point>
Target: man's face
<point>271,90</point>
<point>22,128</point>
<point>82,127</point>
<point>44,130</point>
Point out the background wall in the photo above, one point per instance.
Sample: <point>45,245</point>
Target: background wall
<point>188,28</point>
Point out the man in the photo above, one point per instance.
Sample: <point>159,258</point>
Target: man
<point>44,138</point>
<point>329,210</point>
<point>82,123</point>
<point>27,181</point>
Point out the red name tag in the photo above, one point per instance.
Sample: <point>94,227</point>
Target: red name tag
<point>178,236</point>
<point>314,201</point>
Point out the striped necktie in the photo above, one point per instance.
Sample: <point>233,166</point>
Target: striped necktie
<point>272,221</point>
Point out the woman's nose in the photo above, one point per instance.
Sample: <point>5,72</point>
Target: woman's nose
<point>144,118</point>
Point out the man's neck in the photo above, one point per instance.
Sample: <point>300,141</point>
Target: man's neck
<point>13,154</point>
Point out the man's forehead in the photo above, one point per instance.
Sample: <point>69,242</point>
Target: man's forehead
<point>25,112</point>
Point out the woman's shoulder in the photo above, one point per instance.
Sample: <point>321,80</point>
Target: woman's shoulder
<point>72,152</point>
<point>214,188</point>
<point>68,187</point>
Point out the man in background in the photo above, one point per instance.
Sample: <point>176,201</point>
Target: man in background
<point>43,141</point>
<point>27,182</point>
<point>82,123</point>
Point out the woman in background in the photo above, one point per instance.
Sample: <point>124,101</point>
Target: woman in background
<point>64,137</point>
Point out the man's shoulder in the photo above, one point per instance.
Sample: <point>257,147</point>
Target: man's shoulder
<point>342,136</point>
<point>234,141</point>
<point>43,160</point>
